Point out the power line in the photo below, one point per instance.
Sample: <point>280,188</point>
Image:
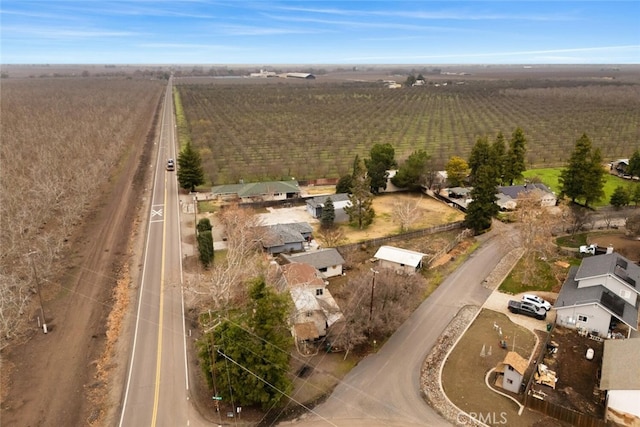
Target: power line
<point>274,387</point>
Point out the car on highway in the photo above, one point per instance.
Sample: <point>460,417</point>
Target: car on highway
<point>537,301</point>
<point>528,309</point>
<point>171,165</point>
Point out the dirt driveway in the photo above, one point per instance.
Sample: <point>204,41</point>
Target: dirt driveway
<point>625,246</point>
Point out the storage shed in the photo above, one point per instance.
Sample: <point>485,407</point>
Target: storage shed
<point>401,260</point>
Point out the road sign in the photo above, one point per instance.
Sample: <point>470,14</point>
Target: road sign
<point>217,397</point>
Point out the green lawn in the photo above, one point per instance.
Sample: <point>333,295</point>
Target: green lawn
<point>573,241</point>
<point>550,176</point>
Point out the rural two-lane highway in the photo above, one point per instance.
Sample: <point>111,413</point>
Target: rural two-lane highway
<point>383,390</point>
<point>157,388</point>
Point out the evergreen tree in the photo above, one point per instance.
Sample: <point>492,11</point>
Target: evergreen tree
<point>328,214</point>
<point>515,159</point>
<point>382,158</point>
<point>357,168</point>
<point>205,247</point>
<point>595,178</point>
<point>360,208</point>
<point>204,237</point>
<point>620,197</point>
<point>190,172</point>
<point>574,176</point>
<point>499,156</point>
<point>480,156</point>
<point>413,171</point>
<point>204,225</point>
<point>253,350</point>
<point>634,164</point>
<point>483,207</point>
<point>344,184</point>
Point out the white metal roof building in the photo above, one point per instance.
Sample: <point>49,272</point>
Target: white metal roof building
<point>399,259</point>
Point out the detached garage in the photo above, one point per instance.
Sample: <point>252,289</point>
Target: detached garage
<point>401,260</point>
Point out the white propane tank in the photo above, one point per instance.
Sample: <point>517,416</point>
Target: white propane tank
<point>589,354</point>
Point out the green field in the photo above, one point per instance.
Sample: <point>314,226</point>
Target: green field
<point>549,176</point>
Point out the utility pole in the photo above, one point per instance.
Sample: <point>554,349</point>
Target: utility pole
<point>195,215</point>
<point>212,359</point>
<point>35,276</point>
<point>373,287</point>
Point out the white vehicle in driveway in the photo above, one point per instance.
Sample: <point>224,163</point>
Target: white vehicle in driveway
<point>537,301</point>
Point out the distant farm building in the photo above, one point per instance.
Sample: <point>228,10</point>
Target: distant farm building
<point>306,76</point>
<point>264,73</point>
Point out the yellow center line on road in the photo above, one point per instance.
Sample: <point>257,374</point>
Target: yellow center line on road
<point>161,316</point>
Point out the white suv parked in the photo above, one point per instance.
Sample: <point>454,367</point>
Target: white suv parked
<point>536,301</point>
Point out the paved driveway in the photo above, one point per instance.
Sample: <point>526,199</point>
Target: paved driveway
<point>285,215</point>
<point>499,301</point>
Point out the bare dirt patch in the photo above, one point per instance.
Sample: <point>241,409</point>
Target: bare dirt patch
<point>625,246</point>
<point>431,212</point>
<point>578,377</point>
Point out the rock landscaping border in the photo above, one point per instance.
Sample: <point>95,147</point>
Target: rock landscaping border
<point>430,376</point>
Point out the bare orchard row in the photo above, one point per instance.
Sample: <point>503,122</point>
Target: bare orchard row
<point>271,131</point>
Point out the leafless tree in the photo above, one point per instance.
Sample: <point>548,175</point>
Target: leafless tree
<point>375,303</point>
<point>535,224</point>
<point>60,141</point>
<point>607,217</point>
<point>632,226</point>
<point>224,284</point>
<point>579,218</point>
<point>406,212</point>
<point>331,236</point>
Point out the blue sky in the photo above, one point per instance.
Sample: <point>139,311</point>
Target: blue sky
<point>319,32</point>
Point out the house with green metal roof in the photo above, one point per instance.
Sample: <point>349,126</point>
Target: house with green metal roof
<point>257,191</point>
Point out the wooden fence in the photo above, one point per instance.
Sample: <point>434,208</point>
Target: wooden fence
<point>379,241</point>
<point>561,413</point>
<point>554,410</point>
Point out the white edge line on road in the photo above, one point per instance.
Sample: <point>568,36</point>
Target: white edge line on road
<point>144,268</point>
<point>184,331</point>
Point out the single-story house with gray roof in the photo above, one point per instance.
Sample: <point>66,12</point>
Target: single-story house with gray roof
<point>340,201</point>
<point>328,261</point>
<point>603,288</point>
<point>620,166</point>
<point>508,195</point>
<point>620,377</point>
<point>280,238</point>
<point>257,191</point>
